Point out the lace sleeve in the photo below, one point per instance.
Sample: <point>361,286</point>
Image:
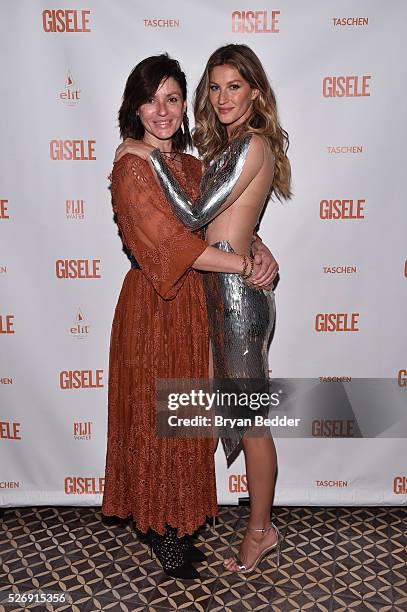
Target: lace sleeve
<point>163,247</point>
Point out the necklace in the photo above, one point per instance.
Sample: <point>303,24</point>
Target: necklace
<point>171,154</point>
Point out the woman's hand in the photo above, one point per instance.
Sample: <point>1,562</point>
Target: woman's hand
<point>267,267</point>
<point>135,147</point>
<point>257,266</point>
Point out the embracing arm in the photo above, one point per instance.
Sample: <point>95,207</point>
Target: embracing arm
<point>163,247</point>
<point>223,183</point>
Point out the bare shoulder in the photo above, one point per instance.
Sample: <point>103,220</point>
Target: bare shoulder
<point>259,144</point>
<point>257,151</point>
<point>261,149</point>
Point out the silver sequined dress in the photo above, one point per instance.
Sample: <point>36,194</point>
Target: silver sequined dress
<point>241,319</point>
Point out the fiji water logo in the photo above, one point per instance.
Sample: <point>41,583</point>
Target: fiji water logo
<point>70,95</point>
<point>82,430</point>
<point>75,210</point>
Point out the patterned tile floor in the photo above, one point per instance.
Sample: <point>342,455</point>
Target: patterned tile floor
<point>332,559</point>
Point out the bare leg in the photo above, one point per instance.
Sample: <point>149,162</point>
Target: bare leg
<point>261,462</point>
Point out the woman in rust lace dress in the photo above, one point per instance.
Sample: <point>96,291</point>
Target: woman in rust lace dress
<point>160,327</point>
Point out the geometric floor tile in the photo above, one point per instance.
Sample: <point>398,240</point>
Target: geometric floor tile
<point>332,559</point>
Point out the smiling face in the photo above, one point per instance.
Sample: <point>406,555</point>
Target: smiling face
<point>162,114</point>
<point>230,95</point>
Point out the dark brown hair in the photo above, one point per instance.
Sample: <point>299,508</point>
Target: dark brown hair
<point>141,85</point>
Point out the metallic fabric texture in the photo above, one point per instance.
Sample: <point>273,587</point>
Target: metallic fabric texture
<point>241,320</point>
<point>217,184</point>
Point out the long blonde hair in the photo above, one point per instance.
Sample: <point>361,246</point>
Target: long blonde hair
<point>210,136</point>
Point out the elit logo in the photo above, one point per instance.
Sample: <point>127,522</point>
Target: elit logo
<point>75,209</point>
<point>82,430</point>
<point>7,324</point>
<point>342,209</point>
<point>337,322</point>
<point>80,329</point>
<point>10,430</point>
<point>81,485</point>
<point>10,484</point>
<point>81,379</point>
<point>331,483</point>
<point>238,483</point>
<point>255,22</point>
<point>332,428</point>
<point>70,95</point>
<point>77,268</point>
<point>350,21</point>
<point>72,150</point>
<point>402,378</point>
<point>400,485</point>
<point>65,20</point>
<point>4,209</point>
<point>346,86</point>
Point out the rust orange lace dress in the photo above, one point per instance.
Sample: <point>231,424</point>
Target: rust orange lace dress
<point>159,331</point>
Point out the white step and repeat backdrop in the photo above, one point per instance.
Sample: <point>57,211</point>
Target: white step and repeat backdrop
<point>338,69</point>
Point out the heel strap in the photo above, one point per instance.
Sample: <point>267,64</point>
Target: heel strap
<point>264,530</point>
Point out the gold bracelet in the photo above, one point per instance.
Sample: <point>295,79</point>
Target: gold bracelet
<point>245,264</point>
<point>246,276</point>
<point>251,267</point>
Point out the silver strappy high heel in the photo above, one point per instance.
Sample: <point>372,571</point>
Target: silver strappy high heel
<point>275,546</point>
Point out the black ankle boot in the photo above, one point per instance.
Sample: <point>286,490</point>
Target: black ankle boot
<point>171,552</point>
<point>192,553</point>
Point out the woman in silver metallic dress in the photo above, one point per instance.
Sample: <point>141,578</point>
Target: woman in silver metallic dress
<point>244,152</point>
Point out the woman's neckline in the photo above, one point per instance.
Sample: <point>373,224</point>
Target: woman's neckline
<point>177,165</point>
